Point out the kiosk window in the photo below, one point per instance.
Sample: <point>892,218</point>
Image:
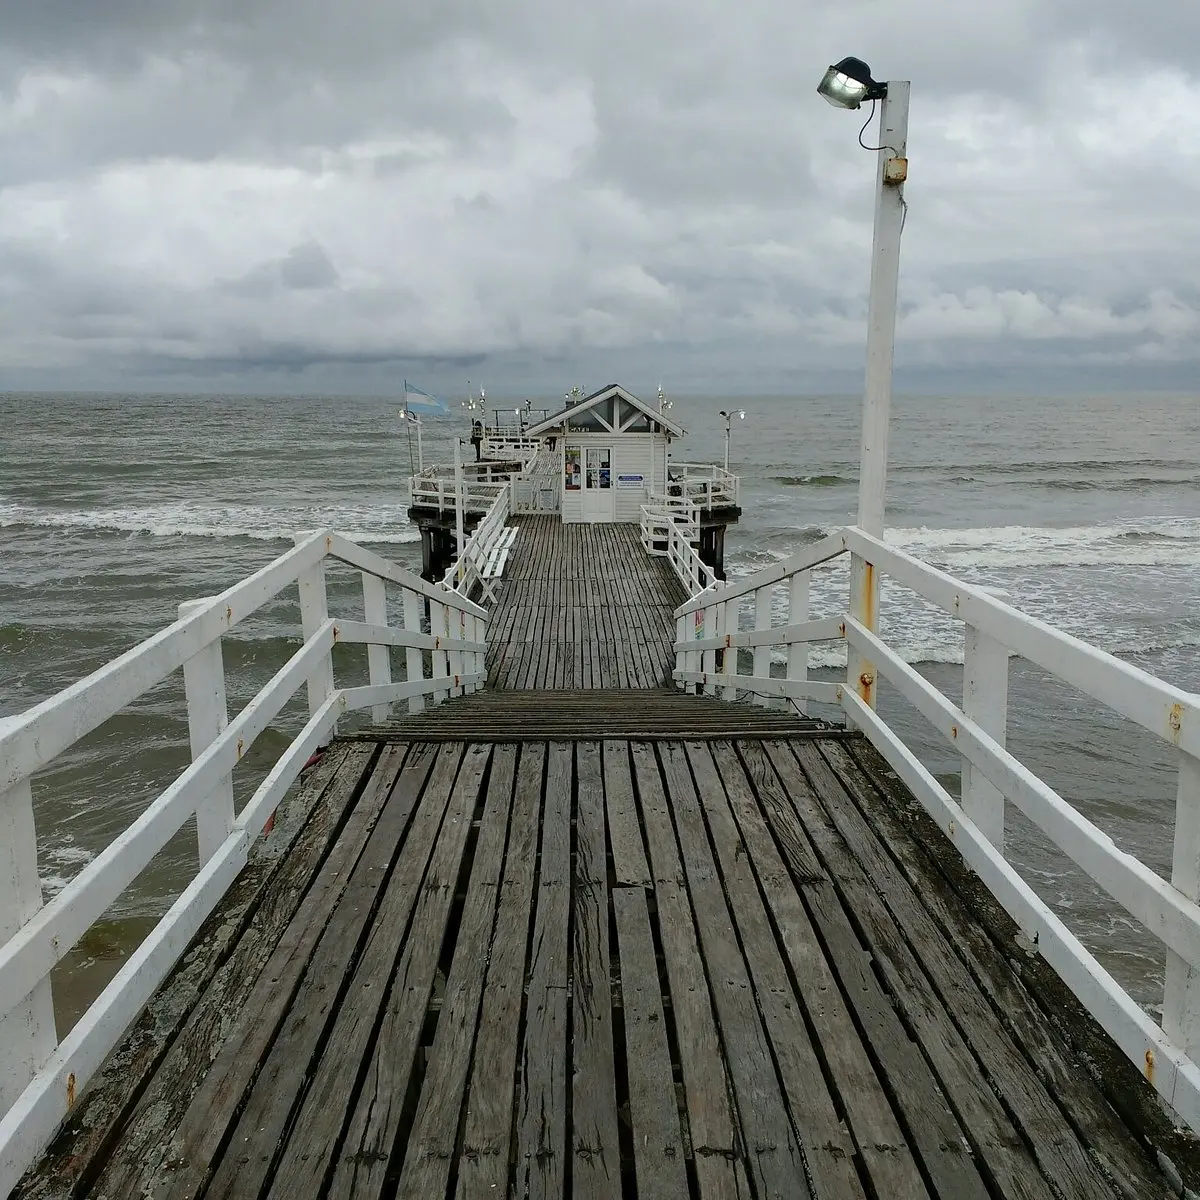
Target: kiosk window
<point>574,478</point>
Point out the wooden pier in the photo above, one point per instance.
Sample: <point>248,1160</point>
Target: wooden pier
<point>632,943</point>
<point>583,606</point>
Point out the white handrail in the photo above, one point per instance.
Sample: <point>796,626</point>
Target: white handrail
<point>712,485</point>
<point>446,660</point>
<point>670,526</point>
<point>709,635</point>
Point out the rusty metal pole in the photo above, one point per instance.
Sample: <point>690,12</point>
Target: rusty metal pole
<point>891,172</point>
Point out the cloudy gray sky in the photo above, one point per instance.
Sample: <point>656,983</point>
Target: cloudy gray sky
<point>318,195</point>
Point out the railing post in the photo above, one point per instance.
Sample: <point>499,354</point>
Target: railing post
<point>456,622</point>
<point>314,612</point>
<point>438,627</point>
<point>864,608</point>
<point>762,654</point>
<point>713,624</point>
<point>985,701</point>
<point>414,660</point>
<point>379,658</point>
<point>208,714</point>
<point>681,658</point>
<point>797,653</point>
<point>700,629</point>
<point>1181,994</point>
<point>729,662</point>
<point>478,630</point>
<point>27,1033</point>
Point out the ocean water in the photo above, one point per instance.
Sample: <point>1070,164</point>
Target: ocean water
<point>1085,511</point>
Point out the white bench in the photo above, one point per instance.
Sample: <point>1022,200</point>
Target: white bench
<point>498,558</point>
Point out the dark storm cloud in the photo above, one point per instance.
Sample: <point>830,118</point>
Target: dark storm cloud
<point>267,186</point>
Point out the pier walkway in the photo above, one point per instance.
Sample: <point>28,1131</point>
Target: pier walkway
<point>583,606</point>
<point>608,941</point>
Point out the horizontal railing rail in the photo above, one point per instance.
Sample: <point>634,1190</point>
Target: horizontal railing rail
<point>710,634</point>
<point>443,637</point>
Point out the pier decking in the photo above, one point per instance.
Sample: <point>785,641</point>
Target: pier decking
<point>722,955</point>
<point>583,606</point>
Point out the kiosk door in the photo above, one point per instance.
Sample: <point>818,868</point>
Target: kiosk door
<point>599,498</point>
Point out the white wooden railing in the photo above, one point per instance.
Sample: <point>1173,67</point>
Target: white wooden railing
<point>444,656</point>
<point>510,447</point>
<point>711,486</point>
<point>538,488</point>
<point>435,487</point>
<point>671,528</point>
<point>769,610</point>
<point>470,569</point>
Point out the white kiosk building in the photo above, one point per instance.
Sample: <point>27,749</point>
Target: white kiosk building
<point>612,450</point>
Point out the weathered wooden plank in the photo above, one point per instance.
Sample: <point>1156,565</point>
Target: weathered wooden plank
<point>881,1143</point>
<point>281,1084</point>
<point>773,1157</point>
<point>432,1144</point>
<point>220,967</point>
<point>1056,1147</point>
<point>596,1170</point>
<point>826,1143</point>
<point>624,831</point>
<point>483,1166</point>
<point>279,1080</point>
<point>361,1164</point>
<point>711,1121</point>
<point>177,1128</point>
<point>936,1134</point>
<point>657,1143</point>
<point>1069,1080</point>
<point>988,1126</point>
<point>541,1113</point>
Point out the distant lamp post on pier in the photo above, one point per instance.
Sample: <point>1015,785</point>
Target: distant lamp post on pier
<point>740,414</point>
<point>848,84</point>
<point>412,417</point>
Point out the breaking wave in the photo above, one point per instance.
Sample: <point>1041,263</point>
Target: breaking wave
<point>813,480</point>
<point>188,519</point>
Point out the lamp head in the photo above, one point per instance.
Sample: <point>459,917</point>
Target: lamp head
<point>848,83</point>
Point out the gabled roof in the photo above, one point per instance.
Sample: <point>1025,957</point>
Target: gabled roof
<point>597,398</point>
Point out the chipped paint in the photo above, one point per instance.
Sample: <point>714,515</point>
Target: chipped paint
<point>241,746</point>
<point>1149,1071</point>
<point>71,1090</point>
<point>1175,722</point>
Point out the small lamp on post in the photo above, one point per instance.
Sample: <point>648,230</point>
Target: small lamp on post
<point>740,414</point>
<point>848,84</point>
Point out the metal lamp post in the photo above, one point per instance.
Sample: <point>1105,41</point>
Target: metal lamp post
<point>740,413</point>
<point>406,415</point>
<point>460,503</point>
<point>848,84</point>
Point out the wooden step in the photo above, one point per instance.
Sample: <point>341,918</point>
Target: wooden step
<point>524,716</point>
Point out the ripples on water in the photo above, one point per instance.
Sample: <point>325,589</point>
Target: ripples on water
<point>1084,510</point>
